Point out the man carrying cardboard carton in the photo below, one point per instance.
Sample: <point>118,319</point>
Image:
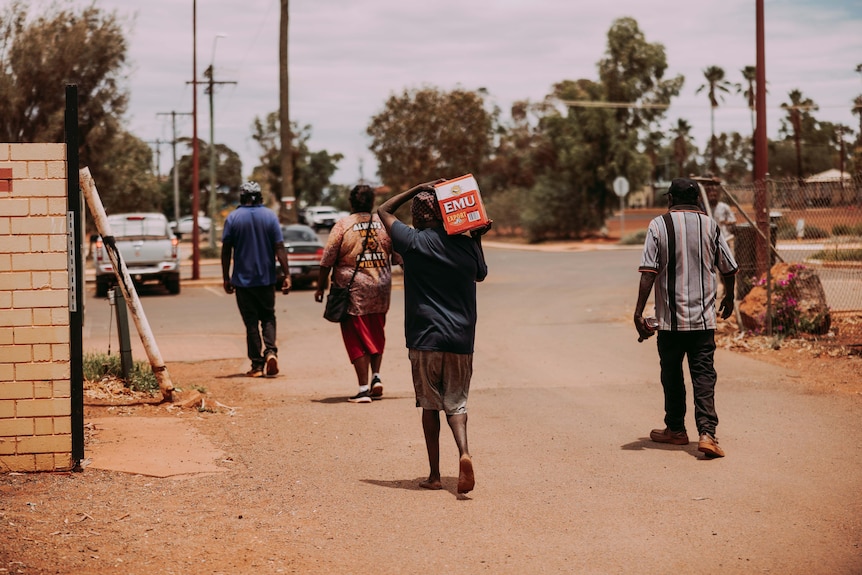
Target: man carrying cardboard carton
<point>440,275</point>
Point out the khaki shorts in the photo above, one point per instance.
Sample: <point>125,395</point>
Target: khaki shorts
<point>441,380</point>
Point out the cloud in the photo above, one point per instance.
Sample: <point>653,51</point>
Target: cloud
<point>348,57</point>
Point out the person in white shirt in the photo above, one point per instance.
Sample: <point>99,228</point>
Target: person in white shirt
<point>721,213</point>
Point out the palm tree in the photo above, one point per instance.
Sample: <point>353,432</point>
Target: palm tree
<point>715,84</point>
<point>857,109</point>
<point>798,108</point>
<point>749,74</point>
<point>681,139</point>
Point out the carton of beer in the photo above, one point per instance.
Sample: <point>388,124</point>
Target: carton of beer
<point>461,205</point>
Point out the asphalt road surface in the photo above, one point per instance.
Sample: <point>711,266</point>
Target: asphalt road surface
<point>561,406</point>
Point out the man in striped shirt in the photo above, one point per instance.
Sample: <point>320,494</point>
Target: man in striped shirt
<point>682,250</point>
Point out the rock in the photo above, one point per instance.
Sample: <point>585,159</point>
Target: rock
<point>798,302</point>
<point>189,399</point>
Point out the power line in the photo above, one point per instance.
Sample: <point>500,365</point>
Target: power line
<point>648,106</point>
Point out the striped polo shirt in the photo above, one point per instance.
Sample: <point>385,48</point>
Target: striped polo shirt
<point>683,248</point>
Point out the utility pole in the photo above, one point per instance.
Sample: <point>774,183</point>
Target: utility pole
<point>173,116</point>
<point>760,147</point>
<point>287,192</point>
<point>158,143</point>
<point>211,83</point>
<point>196,193</point>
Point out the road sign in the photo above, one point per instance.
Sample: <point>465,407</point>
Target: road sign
<point>621,186</point>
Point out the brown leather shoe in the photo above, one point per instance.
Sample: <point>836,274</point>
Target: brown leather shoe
<point>667,436</point>
<point>271,365</point>
<point>708,445</point>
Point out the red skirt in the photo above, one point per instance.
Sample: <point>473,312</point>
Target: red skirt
<point>364,335</point>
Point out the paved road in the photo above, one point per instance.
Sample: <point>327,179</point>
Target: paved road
<point>562,403</point>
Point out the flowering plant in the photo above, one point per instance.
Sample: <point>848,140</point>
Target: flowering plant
<point>787,317</point>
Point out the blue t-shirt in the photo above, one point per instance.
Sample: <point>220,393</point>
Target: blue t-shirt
<point>253,231</point>
<point>440,275</point>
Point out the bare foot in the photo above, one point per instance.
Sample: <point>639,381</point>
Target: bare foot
<point>433,484</point>
<point>466,480</point>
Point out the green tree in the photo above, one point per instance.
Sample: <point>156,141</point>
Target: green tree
<point>598,138</point>
<point>684,150</point>
<point>427,133</point>
<point>311,171</point>
<point>632,73</point>
<point>133,186</point>
<point>228,176</point>
<point>654,149</point>
<point>798,121</point>
<point>857,154</point>
<point>734,151</point>
<point>520,154</point>
<point>716,85</point>
<point>749,74</point>
<point>38,55</point>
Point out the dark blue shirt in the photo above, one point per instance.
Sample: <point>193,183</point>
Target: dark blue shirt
<point>253,231</point>
<point>440,275</point>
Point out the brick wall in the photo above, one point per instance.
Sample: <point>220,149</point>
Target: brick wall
<point>35,403</point>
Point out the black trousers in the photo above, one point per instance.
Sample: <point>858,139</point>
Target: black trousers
<point>699,348</point>
<point>257,308</point>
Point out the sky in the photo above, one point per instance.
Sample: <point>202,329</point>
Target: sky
<point>346,57</point>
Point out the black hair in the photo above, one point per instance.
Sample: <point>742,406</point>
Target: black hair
<point>361,198</point>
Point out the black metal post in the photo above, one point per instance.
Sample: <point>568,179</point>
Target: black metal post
<point>125,339</point>
<point>74,219</point>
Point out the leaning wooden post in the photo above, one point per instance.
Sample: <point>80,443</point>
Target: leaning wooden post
<point>124,281</point>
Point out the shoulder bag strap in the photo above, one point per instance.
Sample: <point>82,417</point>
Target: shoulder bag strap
<point>359,258</point>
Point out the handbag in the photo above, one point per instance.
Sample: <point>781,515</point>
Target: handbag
<point>338,298</point>
<point>337,303</point>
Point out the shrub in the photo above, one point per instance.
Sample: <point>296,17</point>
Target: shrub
<point>815,233</point>
<point>847,230</point>
<point>785,230</point>
<point>99,365</point>
<point>637,238</point>
<point>787,319</point>
<point>505,209</point>
<point>848,255</point>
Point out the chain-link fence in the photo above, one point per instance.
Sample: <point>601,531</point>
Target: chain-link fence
<point>816,223</point>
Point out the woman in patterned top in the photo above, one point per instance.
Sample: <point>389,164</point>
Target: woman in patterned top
<point>360,242</point>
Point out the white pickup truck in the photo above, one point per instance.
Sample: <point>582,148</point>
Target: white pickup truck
<point>146,245</point>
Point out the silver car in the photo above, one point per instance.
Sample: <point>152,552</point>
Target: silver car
<point>148,248</point>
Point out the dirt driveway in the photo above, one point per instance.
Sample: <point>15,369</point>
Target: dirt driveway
<point>283,475</point>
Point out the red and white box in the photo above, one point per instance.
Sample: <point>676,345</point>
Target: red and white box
<point>461,205</point>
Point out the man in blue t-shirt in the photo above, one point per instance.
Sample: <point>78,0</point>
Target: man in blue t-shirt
<point>440,275</point>
<point>252,234</point>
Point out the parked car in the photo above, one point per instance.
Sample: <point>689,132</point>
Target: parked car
<point>184,226</point>
<point>146,245</point>
<point>304,252</point>
<point>320,217</point>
